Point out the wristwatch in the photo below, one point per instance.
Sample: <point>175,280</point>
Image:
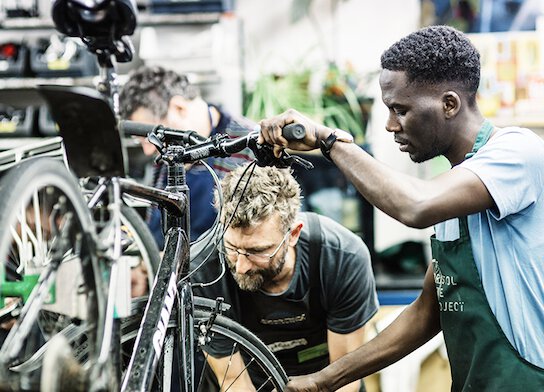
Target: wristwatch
<point>325,145</point>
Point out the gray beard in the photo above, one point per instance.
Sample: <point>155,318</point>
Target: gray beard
<point>255,280</point>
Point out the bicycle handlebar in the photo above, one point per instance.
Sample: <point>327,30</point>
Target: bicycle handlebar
<point>196,147</point>
<point>134,128</point>
<point>223,147</point>
<point>294,132</point>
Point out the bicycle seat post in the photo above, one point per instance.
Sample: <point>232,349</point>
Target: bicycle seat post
<point>108,84</point>
<point>104,26</point>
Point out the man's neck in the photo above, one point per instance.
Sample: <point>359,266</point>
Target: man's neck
<point>465,139</point>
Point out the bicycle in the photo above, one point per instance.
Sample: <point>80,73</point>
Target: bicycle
<point>100,320</point>
<point>76,233</point>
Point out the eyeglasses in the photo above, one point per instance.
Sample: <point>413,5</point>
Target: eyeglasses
<point>233,253</point>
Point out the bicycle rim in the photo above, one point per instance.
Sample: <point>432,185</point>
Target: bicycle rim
<point>45,230</point>
<point>261,365</point>
<point>143,248</point>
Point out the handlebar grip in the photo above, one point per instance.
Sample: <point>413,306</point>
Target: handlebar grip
<point>134,128</point>
<point>294,131</point>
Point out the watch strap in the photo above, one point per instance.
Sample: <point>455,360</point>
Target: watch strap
<point>325,145</point>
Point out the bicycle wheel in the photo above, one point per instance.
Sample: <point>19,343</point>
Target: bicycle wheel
<point>47,262</point>
<point>142,247</point>
<point>265,369</point>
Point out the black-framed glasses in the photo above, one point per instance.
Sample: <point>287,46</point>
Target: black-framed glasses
<point>233,253</point>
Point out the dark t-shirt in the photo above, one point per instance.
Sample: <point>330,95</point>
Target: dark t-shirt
<point>347,288</point>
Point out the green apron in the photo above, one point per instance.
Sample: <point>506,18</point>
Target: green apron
<point>481,357</point>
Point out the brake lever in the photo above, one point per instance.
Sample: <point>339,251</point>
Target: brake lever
<point>300,161</point>
<point>265,157</point>
<point>154,140</point>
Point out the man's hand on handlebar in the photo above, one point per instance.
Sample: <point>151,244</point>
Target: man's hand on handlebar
<point>271,132</point>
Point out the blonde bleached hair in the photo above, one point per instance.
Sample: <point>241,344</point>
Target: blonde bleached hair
<point>270,191</point>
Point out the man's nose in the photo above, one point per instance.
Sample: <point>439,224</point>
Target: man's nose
<point>242,264</point>
<point>392,125</point>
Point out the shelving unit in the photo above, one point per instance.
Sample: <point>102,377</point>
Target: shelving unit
<point>206,71</point>
<point>144,19</point>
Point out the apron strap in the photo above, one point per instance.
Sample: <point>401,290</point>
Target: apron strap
<point>315,255</point>
<point>463,227</point>
<point>481,139</point>
<point>483,136</point>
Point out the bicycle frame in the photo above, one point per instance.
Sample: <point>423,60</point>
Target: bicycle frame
<point>155,339</point>
<point>173,201</point>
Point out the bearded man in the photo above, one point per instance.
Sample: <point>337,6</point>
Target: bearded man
<point>301,282</point>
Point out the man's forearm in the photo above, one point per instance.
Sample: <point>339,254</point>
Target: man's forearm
<point>353,387</point>
<point>392,192</point>
<point>388,347</point>
<point>418,323</point>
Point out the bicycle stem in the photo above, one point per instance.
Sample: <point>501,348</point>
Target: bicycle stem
<point>177,185</point>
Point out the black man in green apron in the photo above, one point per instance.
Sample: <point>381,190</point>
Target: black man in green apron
<point>485,286</point>
<point>481,356</point>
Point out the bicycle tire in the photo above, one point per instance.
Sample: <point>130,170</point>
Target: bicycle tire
<point>60,236</point>
<point>144,243</point>
<point>222,327</point>
<point>268,363</point>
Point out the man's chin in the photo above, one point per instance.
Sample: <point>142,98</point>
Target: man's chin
<point>253,283</point>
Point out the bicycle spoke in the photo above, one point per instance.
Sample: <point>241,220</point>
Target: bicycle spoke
<point>47,264</point>
<point>241,372</point>
<point>269,379</point>
<point>228,366</point>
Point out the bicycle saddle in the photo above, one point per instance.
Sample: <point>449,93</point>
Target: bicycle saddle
<point>95,18</point>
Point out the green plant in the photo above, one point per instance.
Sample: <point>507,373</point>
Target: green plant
<point>336,102</point>
<point>273,94</point>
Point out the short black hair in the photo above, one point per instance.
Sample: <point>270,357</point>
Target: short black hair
<point>434,55</point>
<point>152,88</point>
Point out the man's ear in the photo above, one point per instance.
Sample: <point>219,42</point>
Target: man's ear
<point>295,233</point>
<point>451,104</point>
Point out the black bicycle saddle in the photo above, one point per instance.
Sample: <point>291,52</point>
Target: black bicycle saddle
<point>95,18</point>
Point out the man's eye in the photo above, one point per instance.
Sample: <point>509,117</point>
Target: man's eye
<point>258,253</point>
<point>399,112</point>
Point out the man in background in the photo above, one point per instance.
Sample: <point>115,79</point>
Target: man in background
<point>155,95</point>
